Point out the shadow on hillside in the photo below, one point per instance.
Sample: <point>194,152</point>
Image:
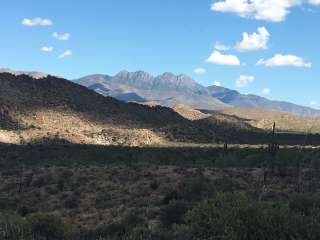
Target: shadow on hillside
<point>30,95</point>
<point>62,153</point>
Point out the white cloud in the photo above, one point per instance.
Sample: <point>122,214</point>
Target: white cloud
<point>279,60</point>
<point>216,83</point>
<point>47,49</point>
<point>269,10</point>
<point>314,2</point>
<point>265,91</point>
<point>315,104</point>
<point>36,22</point>
<point>221,47</point>
<point>65,54</point>
<point>255,41</point>
<point>217,58</point>
<point>61,37</point>
<point>199,71</point>
<point>244,80</point>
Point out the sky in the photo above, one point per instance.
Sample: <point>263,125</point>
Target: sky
<point>266,47</point>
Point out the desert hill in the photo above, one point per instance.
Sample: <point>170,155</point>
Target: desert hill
<point>264,119</point>
<point>50,106</point>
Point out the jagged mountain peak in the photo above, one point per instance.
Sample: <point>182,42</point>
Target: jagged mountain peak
<point>167,75</point>
<point>140,74</point>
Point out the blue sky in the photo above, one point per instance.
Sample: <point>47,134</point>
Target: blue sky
<point>106,36</point>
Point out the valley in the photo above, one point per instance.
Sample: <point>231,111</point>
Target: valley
<point>75,164</point>
<point>160,120</point>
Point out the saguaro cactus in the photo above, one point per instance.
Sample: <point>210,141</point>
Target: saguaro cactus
<point>273,147</point>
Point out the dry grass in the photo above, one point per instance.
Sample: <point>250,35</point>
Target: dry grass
<point>264,119</point>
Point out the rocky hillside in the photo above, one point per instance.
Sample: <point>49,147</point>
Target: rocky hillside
<point>264,119</point>
<point>54,109</point>
<point>50,107</point>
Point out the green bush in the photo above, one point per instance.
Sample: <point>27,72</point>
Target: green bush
<point>102,200</point>
<point>132,219</point>
<point>12,227</point>
<point>195,188</point>
<point>173,213</point>
<point>115,230</point>
<point>304,204</point>
<point>235,217</point>
<point>147,233</point>
<point>43,226</point>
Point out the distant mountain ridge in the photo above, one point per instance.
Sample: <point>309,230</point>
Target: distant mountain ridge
<point>169,90</point>
<point>166,89</point>
<point>237,99</point>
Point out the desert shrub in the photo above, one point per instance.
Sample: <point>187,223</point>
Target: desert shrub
<point>7,202</point>
<point>41,180</point>
<point>102,200</point>
<point>12,227</point>
<point>304,204</point>
<point>43,226</point>
<point>114,230</point>
<point>52,190</point>
<point>226,184</point>
<point>234,216</point>
<point>154,185</point>
<point>25,210</point>
<point>66,174</point>
<point>146,233</point>
<point>71,202</point>
<point>285,159</point>
<point>254,160</point>
<point>170,196</point>
<point>315,163</point>
<point>241,158</point>
<point>173,213</point>
<point>191,189</point>
<point>132,219</point>
<point>195,188</point>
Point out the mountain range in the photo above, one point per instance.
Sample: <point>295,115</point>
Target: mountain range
<point>47,108</point>
<point>169,90</point>
<point>42,108</point>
